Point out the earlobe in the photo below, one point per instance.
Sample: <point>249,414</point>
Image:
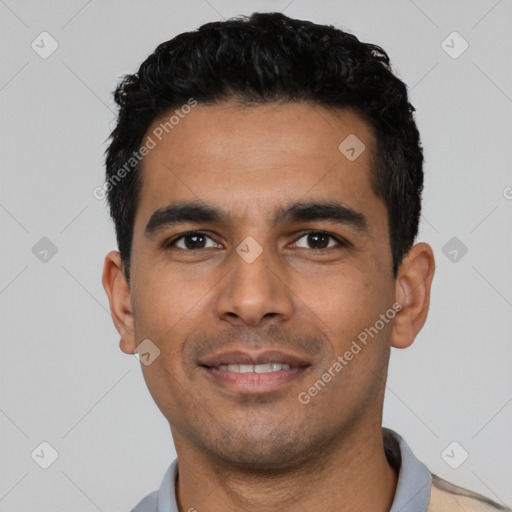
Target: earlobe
<point>118,292</point>
<point>412,291</point>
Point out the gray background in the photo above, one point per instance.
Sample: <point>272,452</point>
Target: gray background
<point>64,379</point>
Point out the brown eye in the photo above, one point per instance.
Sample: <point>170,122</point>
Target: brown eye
<point>191,241</point>
<point>319,240</point>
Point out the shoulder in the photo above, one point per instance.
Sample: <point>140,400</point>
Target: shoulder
<point>164,498</point>
<point>147,504</point>
<point>448,497</point>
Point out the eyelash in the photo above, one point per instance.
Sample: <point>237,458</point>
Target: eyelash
<point>340,241</point>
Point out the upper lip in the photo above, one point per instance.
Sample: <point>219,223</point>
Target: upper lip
<point>239,357</point>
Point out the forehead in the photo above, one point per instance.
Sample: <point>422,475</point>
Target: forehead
<point>254,159</point>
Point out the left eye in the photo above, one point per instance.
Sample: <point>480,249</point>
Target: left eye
<point>319,238</point>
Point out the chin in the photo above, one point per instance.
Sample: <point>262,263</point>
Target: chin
<point>277,449</point>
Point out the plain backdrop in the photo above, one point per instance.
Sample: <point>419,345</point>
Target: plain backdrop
<point>64,380</point>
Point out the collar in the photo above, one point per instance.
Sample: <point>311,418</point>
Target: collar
<point>414,479</point>
<point>412,491</point>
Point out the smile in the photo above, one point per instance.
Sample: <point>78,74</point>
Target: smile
<point>254,368</point>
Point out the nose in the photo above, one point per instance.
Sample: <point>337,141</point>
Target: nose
<point>254,293</point>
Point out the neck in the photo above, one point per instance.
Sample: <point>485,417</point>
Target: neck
<point>351,474</point>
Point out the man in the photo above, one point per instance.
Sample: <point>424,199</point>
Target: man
<point>265,180</point>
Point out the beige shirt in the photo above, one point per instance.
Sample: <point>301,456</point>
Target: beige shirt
<point>446,497</point>
<point>419,490</point>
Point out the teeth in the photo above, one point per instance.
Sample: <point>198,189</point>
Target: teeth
<point>263,368</point>
<point>254,368</point>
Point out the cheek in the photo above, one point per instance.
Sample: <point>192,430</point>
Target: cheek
<point>163,296</point>
<point>170,307</point>
<point>345,301</point>
<point>165,308</point>
<point>346,307</point>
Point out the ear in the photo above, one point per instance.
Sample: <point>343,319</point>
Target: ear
<point>121,309</point>
<point>412,291</point>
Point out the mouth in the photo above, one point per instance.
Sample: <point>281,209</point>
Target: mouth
<point>254,368</point>
<point>254,373</point>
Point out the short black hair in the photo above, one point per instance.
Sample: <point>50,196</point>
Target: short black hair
<point>264,58</point>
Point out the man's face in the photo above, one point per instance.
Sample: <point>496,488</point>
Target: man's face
<point>212,299</point>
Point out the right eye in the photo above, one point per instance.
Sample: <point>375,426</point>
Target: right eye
<point>190,241</point>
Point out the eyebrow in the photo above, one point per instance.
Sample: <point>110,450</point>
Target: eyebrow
<point>179,212</point>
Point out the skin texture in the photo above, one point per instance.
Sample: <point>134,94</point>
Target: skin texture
<point>268,451</point>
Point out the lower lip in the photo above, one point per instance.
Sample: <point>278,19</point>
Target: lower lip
<point>254,382</point>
